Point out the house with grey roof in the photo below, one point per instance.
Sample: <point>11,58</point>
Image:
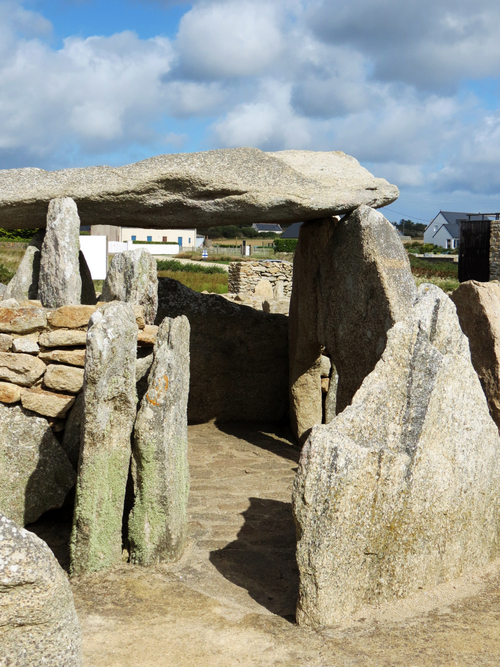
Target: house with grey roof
<point>262,227</point>
<point>444,230</point>
<point>292,232</point>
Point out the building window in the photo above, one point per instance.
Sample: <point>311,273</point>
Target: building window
<point>448,243</point>
<point>189,240</point>
<point>134,238</point>
<point>435,228</point>
<point>150,238</point>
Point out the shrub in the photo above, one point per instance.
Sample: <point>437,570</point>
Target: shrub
<point>285,245</point>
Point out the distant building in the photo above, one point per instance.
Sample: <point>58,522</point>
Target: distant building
<point>186,238</point>
<point>444,230</point>
<point>262,227</point>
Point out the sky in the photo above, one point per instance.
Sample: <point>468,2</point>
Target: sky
<point>410,88</point>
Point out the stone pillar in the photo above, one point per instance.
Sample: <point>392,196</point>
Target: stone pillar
<point>132,277</point>
<point>352,281</point>
<point>109,414</point>
<point>24,285</point>
<point>495,250</point>
<point>60,283</point>
<point>157,524</point>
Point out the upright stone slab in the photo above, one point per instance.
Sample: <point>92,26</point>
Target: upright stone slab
<point>35,474</point>
<point>24,285</point>
<point>478,308</point>
<point>402,490</point>
<point>352,281</point>
<point>60,283</point>
<point>157,523</point>
<point>109,413</point>
<point>38,621</point>
<point>132,277</point>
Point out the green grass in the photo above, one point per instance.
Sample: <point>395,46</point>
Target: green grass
<point>199,281</point>
<point>426,267</point>
<point>448,285</point>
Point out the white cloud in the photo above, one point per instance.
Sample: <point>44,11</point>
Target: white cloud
<point>229,39</point>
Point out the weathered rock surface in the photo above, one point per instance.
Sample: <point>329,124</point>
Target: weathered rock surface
<point>63,378</point>
<point>60,283</point>
<point>22,369</point>
<point>109,414</point>
<point>71,317</point>
<point>24,285</point>
<point>21,319</point>
<point>352,281</point>
<point>239,356</point>
<point>63,338</point>
<point>72,431</point>
<point>147,337</point>
<point>132,277</point>
<point>72,357</point>
<point>264,289</point>
<point>35,472</point>
<point>26,345</point>
<point>5,342</point>
<point>46,403</point>
<point>402,490</point>
<point>235,186</point>
<point>157,523</point>
<point>10,393</point>
<point>478,309</point>
<point>38,621</point>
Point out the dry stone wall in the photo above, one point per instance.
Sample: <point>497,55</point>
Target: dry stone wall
<point>42,355</point>
<point>244,277</point>
<point>495,250</point>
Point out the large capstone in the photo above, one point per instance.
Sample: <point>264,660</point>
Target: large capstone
<point>35,472</point>
<point>231,186</point>
<point>157,524</point>
<point>478,308</point>
<point>239,356</point>
<point>351,282</point>
<point>105,451</point>
<point>60,283</point>
<point>24,284</point>
<point>38,622</point>
<point>132,277</point>
<point>402,490</point>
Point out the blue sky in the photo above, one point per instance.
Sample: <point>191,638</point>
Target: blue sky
<point>411,89</point>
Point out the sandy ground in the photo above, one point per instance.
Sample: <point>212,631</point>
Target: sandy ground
<point>230,600</point>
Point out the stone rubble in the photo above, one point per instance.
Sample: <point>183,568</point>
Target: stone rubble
<point>243,277</point>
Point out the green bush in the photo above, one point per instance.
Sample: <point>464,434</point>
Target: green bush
<point>5,274</point>
<point>17,235</point>
<point>175,265</point>
<point>285,245</point>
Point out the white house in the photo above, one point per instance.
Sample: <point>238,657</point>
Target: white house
<point>186,238</point>
<point>262,227</point>
<point>444,230</point>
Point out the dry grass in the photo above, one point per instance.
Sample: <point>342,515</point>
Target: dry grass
<point>199,282</point>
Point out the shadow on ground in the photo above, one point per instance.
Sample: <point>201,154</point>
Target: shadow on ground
<point>262,558</point>
<point>270,437</point>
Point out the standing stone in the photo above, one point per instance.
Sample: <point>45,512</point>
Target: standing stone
<point>402,490</point>
<point>109,413</point>
<point>478,308</point>
<point>88,296</point>
<point>132,277</point>
<point>60,283</point>
<point>38,621</point>
<point>157,524</point>
<point>351,282</point>
<point>24,285</point>
<point>35,472</point>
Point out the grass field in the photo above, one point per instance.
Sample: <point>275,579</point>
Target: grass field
<point>199,281</point>
<point>442,274</point>
<point>9,261</point>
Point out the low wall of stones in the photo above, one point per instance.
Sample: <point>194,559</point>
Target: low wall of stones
<point>244,276</point>
<point>495,250</point>
<point>42,355</point>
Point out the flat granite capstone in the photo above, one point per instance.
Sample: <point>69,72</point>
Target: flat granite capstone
<point>228,186</point>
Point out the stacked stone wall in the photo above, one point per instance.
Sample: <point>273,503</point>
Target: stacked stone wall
<point>42,355</point>
<point>244,276</point>
<point>495,250</point>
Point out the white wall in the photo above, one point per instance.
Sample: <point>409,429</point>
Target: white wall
<point>155,248</point>
<point>95,252</point>
<point>187,236</point>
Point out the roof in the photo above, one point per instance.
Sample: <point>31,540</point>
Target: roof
<point>292,232</point>
<point>451,217</point>
<point>452,225</point>
<point>267,227</point>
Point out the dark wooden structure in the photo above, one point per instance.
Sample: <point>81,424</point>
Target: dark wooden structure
<point>474,253</point>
